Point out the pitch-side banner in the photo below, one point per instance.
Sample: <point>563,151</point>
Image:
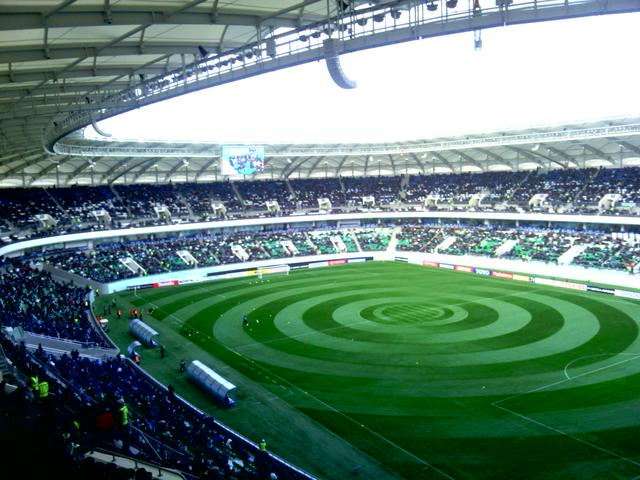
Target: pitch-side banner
<point>561,284</point>
<point>627,294</point>
<point>168,283</point>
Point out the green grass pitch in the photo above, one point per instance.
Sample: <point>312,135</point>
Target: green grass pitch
<point>390,370</point>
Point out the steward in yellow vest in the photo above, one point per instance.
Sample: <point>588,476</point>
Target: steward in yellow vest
<point>43,389</point>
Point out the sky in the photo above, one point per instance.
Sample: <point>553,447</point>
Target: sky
<point>541,74</point>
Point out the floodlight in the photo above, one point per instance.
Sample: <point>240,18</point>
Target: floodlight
<point>452,3</point>
<point>432,7</point>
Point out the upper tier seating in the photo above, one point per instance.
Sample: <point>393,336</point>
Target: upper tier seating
<point>568,191</point>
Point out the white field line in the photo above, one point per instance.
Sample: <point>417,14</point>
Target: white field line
<point>549,427</point>
<point>564,380</point>
<point>316,399</point>
<point>556,430</point>
<point>495,404</point>
<point>350,419</point>
<point>566,368</point>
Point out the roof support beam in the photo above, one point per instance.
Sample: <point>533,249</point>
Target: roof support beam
<point>214,12</point>
<point>47,51</point>
<point>110,175</point>
<point>75,173</point>
<point>28,160</point>
<point>24,20</point>
<point>127,170</point>
<point>108,71</point>
<point>204,168</point>
<point>418,162</point>
<point>72,90</point>
<point>59,9</point>
<point>141,42</point>
<point>129,76</point>
<point>108,14</point>
<point>145,168</point>
<point>117,40</point>
<point>470,159</point>
<point>631,147</point>
<point>535,157</point>
<point>7,159</point>
<point>393,164</point>
<point>560,153</point>
<point>367,159</point>
<point>496,157</point>
<point>340,164</point>
<point>442,159</point>
<point>595,151</point>
<point>295,166</point>
<point>42,173</point>
<point>221,42</point>
<point>313,167</point>
<point>173,170</point>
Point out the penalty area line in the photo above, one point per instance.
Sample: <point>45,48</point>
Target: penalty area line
<point>559,382</point>
<point>566,368</point>
<point>573,437</point>
<point>564,380</point>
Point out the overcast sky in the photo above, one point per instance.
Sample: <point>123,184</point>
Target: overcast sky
<point>525,75</point>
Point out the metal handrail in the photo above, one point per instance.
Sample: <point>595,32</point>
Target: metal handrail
<point>356,30</point>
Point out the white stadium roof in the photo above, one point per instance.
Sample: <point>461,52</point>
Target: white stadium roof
<point>66,64</point>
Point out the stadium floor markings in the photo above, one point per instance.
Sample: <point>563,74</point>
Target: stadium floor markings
<point>560,432</point>
<point>258,367</point>
<point>462,357</point>
<point>576,330</point>
<point>169,314</point>
<point>352,420</point>
<point>349,325</point>
<point>295,312</point>
<point>564,380</point>
<point>549,422</point>
<point>566,368</point>
<point>181,322</point>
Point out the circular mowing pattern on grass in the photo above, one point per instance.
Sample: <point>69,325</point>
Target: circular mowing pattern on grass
<point>408,313</point>
<point>481,329</point>
<point>427,358</point>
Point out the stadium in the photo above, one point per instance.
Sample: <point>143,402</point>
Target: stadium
<point>276,305</point>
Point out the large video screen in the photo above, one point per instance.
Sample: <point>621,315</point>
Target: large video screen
<point>241,160</point>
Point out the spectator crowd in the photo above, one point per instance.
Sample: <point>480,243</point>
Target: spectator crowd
<point>72,209</point>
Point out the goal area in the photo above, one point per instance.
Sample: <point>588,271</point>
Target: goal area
<point>275,270</point>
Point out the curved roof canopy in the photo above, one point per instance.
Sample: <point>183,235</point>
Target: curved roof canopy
<point>68,59</point>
